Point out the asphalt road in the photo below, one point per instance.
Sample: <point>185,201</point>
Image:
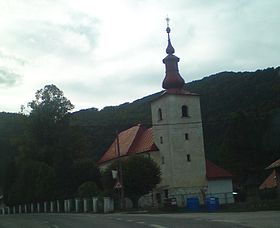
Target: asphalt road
<point>217,220</point>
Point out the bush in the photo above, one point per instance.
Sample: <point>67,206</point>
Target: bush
<point>88,189</point>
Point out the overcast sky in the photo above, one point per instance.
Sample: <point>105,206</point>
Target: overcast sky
<point>102,53</point>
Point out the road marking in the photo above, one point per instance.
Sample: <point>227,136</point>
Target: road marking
<point>120,219</point>
<point>130,220</point>
<point>157,226</point>
<point>55,226</point>
<point>140,222</point>
<point>223,220</point>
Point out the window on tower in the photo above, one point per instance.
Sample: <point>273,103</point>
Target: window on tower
<point>161,140</point>
<point>186,136</point>
<point>188,157</point>
<point>185,112</point>
<point>162,160</point>
<point>159,114</point>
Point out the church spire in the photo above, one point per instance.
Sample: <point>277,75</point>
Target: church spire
<point>170,49</point>
<point>173,79</point>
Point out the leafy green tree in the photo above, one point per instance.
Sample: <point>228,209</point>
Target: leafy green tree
<point>34,182</point>
<point>49,145</point>
<point>85,170</point>
<point>49,118</point>
<point>88,189</point>
<point>50,100</point>
<point>140,176</point>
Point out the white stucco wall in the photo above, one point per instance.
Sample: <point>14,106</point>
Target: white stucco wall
<point>222,189</point>
<point>177,171</point>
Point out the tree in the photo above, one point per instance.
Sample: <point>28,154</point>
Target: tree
<point>85,170</point>
<point>50,100</point>
<point>48,120</point>
<point>47,149</point>
<point>88,189</point>
<point>140,176</point>
<point>34,181</point>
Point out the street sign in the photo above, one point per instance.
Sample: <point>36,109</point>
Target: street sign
<point>114,174</point>
<point>118,185</point>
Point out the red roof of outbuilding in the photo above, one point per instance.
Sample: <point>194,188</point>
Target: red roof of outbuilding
<point>137,139</point>
<point>270,181</point>
<point>215,172</point>
<point>274,165</point>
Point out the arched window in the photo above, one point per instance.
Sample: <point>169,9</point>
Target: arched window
<point>159,114</point>
<point>185,111</point>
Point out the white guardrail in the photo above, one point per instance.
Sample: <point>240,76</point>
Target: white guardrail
<point>85,205</point>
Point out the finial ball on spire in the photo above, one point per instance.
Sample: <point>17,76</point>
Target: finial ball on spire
<point>168,30</point>
<point>167,21</point>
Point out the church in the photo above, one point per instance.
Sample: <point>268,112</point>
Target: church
<point>175,142</point>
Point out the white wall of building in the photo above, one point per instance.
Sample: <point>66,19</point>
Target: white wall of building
<point>169,136</point>
<point>222,189</point>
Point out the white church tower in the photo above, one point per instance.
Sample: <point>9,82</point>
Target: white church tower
<point>178,133</point>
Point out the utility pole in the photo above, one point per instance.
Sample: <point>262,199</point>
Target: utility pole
<point>120,174</point>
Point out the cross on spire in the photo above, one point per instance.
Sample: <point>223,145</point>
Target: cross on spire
<point>169,50</point>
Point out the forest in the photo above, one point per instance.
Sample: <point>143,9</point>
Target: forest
<point>241,123</point>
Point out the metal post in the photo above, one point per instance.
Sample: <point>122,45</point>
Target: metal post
<point>52,207</point>
<point>68,206</point>
<point>57,206</point>
<point>45,207</point>
<point>38,207</point>
<point>94,204</point>
<point>85,205</point>
<point>120,174</point>
<point>77,205</point>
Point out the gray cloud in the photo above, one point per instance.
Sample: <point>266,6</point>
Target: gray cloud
<point>105,56</point>
<point>8,78</point>
<point>69,41</point>
<point>12,58</point>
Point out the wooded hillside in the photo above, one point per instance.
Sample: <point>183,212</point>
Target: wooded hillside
<point>240,112</point>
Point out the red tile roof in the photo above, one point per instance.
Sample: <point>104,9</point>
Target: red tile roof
<point>137,139</point>
<point>179,92</point>
<point>215,172</point>
<point>274,165</point>
<point>270,181</point>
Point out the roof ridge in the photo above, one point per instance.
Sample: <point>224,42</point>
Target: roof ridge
<point>140,131</point>
<point>211,168</point>
<point>274,164</point>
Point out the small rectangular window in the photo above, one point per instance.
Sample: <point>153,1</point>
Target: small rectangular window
<point>161,140</point>
<point>188,157</point>
<point>186,136</point>
<point>162,160</point>
<point>159,114</point>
